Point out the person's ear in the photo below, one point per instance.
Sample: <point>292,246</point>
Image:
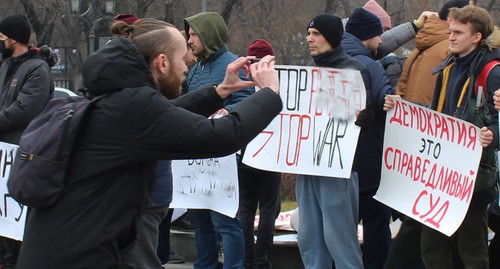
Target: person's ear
<point>161,63</point>
<point>478,37</point>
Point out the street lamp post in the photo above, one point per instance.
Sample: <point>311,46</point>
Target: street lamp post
<point>92,17</point>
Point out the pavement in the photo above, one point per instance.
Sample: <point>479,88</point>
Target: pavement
<point>285,251</point>
<point>178,266</point>
<point>285,254</point>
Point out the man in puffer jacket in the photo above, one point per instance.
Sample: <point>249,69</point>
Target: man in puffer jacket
<point>207,37</point>
<point>361,41</point>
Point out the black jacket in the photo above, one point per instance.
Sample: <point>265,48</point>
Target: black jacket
<point>112,172</point>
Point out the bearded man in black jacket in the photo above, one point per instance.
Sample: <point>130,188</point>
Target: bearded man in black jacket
<point>111,174</point>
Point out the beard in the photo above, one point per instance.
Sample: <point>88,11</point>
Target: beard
<point>170,85</point>
<point>373,52</point>
<point>6,52</point>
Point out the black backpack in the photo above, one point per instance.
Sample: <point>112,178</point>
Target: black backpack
<point>38,174</point>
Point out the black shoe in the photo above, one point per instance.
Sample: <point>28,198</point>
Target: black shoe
<point>174,258</point>
<point>182,224</point>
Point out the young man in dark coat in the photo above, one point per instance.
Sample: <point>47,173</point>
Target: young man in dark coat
<point>207,36</point>
<point>469,27</point>
<point>258,189</point>
<point>455,94</point>
<point>111,174</point>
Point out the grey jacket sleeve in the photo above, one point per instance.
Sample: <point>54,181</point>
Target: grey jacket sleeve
<point>395,38</point>
<point>30,101</point>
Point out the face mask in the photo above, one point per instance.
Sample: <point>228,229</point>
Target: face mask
<point>6,52</point>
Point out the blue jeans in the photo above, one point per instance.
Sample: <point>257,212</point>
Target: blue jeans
<point>208,224</point>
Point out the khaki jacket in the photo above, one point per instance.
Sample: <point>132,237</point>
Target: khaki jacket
<point>417,81</point>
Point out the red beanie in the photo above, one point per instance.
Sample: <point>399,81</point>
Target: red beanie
<point>127,18</point>
<point>260,48</point>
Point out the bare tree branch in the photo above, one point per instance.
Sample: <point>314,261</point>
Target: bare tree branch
<point>228,8</point>
<point>347,7</point>
<point>491,5</point>
<point>330,6</point>
<point>169,11</point>
<point>142,7</point>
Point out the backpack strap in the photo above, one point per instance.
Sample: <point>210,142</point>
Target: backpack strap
<point>483,75</point>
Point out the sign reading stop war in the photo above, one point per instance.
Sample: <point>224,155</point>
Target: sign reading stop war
<point>429,165</point>
<point>315,132</point>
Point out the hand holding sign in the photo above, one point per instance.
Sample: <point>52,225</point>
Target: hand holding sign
<point>430,163</point>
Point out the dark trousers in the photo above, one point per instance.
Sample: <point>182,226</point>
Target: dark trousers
<point>405,248</point>
<point>494,252</point>
<point>376,232</point>
<point>470,241</point>
<point>163,250</point>
<point>494,224</point>
<point>144,252</point>
<point>263,189</point>
<point>11,250</point>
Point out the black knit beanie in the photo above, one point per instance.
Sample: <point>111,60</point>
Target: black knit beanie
<point>16,27</point>
<point>445,9</point>
<point>330,26</point>
<point>363,24</point>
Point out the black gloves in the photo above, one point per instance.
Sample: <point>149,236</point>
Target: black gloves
<point>365,118</point>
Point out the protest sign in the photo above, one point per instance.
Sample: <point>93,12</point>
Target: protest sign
<point>12,214</point>
<point>429,165</point>
<point>315,132</point>
<point>206,184</point>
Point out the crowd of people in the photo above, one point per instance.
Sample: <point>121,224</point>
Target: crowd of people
<point>178,94</point>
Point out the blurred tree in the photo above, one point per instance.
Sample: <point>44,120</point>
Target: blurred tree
<point>281,22</point>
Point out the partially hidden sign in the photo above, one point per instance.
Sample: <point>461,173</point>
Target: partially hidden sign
<point>12,213</point>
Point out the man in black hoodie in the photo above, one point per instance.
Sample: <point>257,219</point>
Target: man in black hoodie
<point>111,175</point>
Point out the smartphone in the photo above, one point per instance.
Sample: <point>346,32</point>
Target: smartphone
<point>255,60</point>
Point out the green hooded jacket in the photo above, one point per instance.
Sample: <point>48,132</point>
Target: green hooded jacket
<point>210,28</point>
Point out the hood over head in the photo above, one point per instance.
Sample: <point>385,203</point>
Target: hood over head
<point>434,31</point>
<point>117,66</point>
<point>210,28</point>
